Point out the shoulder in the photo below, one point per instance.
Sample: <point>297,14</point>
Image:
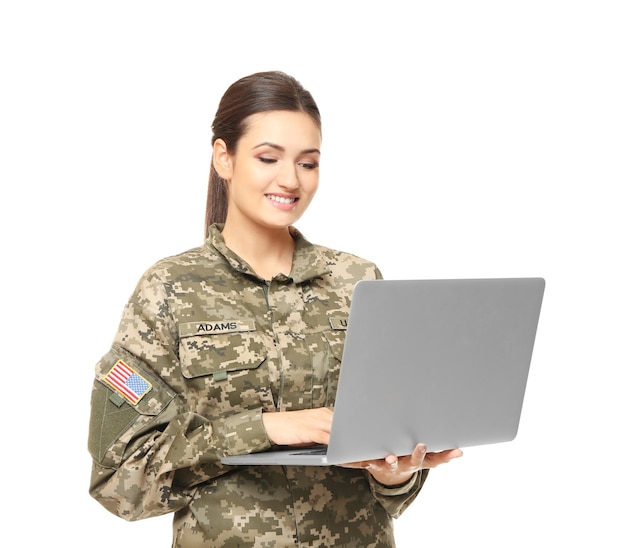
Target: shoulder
<point>192,263</point>
<point>348,264</point>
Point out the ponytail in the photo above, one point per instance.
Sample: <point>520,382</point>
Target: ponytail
<point>216,201</point>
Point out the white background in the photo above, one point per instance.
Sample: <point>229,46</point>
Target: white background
<point>461,139</point>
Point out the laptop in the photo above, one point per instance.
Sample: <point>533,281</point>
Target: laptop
<point>442,362</point>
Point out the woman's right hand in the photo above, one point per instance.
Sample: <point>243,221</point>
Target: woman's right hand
<point>303,427</point>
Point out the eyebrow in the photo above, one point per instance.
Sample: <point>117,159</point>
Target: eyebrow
<point>282,149</point>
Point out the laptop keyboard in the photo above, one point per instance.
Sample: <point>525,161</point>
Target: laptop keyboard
<point>310,451</point>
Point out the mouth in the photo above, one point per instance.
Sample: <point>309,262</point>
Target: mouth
<point>281,199</point>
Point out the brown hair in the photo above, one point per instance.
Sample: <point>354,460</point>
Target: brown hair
<point>259,92</point>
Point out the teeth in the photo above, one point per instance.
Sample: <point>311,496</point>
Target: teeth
<point>281,200</point>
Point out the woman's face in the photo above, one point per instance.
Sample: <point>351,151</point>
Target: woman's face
<point>273,175</point>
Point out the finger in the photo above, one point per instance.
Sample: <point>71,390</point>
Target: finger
<point>450,454</point>
<point>322,438</point>
<point>433,460</point>
<point>392,461</point>
<point>419,454</point>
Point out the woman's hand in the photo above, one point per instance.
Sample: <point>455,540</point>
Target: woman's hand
<point>393,470</point>
<point>304,427</point>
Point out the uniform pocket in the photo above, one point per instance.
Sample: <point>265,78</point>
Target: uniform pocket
<point>226,371</point>
<point>217,354</point>
<point>336,340</point>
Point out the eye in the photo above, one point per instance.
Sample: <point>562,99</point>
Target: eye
<point>267,160</point>
<point>309,165</point>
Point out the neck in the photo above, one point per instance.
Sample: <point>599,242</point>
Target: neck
<point>269,251</point>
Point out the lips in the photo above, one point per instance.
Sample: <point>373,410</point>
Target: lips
<point>281,199</point>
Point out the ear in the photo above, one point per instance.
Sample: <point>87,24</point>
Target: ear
<point>222,160</point>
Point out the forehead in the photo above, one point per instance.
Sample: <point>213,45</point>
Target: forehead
<point>283,127</point>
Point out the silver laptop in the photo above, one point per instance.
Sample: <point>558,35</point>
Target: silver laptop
<point>443,362</point>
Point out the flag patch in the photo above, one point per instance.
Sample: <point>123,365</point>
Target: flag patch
<point>127,382</point>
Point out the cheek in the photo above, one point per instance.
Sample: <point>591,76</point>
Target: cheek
<point>246,181</point>
<point>311,182</point>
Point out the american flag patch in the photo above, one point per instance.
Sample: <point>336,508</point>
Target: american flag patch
<point>127,382</point>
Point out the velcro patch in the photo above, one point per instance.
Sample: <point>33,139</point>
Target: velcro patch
<point>211,327</point>
<point>339,322</point>
<point>127,382</point>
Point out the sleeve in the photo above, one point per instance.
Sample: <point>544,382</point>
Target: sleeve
<point>149,451</point>
<point>397,499</point>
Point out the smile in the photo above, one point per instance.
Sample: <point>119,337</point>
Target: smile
<point>281,199</point>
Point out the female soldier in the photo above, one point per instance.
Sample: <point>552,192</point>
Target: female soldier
<point>230,348</point>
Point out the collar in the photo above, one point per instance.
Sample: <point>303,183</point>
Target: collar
<point>307,260</point>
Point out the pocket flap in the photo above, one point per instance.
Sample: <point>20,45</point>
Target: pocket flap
<point>210,352</point>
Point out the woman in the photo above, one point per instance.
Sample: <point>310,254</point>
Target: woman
<point>231,348</point>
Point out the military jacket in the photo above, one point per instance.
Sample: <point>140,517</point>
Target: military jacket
<point>205,346</point>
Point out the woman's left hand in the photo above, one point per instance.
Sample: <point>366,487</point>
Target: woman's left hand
<point>393,470</point>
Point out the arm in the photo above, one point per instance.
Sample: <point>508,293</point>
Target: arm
<point>396,499</point>
<point>148,456</point>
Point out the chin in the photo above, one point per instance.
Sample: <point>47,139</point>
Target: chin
<point>282,222</point>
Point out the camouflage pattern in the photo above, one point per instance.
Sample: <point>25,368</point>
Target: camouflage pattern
<point>216,346</point>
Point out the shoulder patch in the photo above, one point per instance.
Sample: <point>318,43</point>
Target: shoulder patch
<point>127,382</point>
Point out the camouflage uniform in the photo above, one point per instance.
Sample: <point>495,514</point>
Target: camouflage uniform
<point>203,348</point>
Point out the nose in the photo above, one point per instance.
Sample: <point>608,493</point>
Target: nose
<point>288,177</point>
